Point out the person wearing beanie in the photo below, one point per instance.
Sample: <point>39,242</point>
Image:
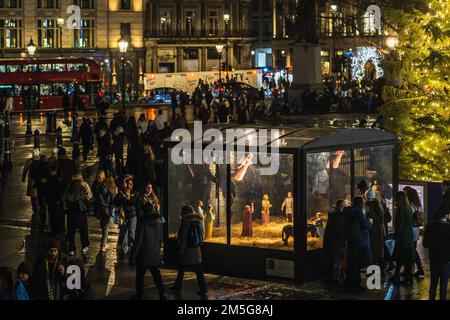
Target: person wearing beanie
<point>30,167</point>
<point>49,274</point>
<point>190,240</point>
<point>375,214</point>
<point>145,253</point>
<point>23,280</point>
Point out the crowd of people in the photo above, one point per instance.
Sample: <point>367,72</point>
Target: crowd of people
<point>356,237</point>
<point>125,191</point>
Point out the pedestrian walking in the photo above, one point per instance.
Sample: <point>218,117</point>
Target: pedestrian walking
<point>190,242</point>
<point>77,199</point>
<point>87,137</point>
<point>54,201</point>
<point>146,250</point>
<point>103,205</point>
<point>404,242</point>
<point>31,183</point>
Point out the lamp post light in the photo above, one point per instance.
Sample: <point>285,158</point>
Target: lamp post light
<point>219,48</point>
<point>226,19</point>
<point>123,47</point>
<point>60,23</point>
<point>392,42</point>
<point>31,48</point>
<point>253,58</point>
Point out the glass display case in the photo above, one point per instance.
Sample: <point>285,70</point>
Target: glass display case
<point>254,221</point>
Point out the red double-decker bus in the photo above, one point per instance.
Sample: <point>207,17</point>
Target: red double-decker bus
<point>48,80</point>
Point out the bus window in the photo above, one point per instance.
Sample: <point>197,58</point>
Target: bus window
<point>2,68</point>
<point>59,67</point>
<point>17,90</point>
<point>46,67</point>
<point>6,89</point>
<point>46,89</point>
<point>13,68</point>
<point>59,88</point>
<point>76,67</point>
<point>81,88</point>
<point>31,68</point>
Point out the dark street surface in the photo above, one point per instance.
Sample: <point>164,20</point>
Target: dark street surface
<point>113,278</point>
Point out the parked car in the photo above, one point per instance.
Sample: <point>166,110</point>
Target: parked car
<point>236,89</point>
<point>161,95</point>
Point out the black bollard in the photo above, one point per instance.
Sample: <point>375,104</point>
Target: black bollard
<point>59,140</point>
<point>54,116</point>
<point>48,122</point>
<point>29,129</point>
<point>7,162</point>
<point>37,139</point>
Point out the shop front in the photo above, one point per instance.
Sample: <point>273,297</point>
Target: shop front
<point>263,225</point>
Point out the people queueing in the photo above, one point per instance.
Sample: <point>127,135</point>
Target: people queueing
<point>103,205</point>
<point>334,242</point>
<point>416,205</point>
<point>6,285</point>
<point>374,211</point>
<point>28,169</point>
<point>190,241</point>
<point>49,278</point>
<point>87,137</point>
<point>404,241</point>
<point>55,203</point>
<point>145,253</point>
<point>78,198</point>
<point>437,240</point>
<point>23,282</point>
<point>126,199</point>
<point>358,243</point>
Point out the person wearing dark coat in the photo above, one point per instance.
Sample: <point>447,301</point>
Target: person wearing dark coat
<point>358,242</point>
<point>118,138</point>
<point>104,149</point>
<point>189,249</point>
<point>54,201</point>
<point>87,137</point>
<point>437,240</point>
<point>49,274</point>
<point>67,168</point>
<point>334,241</point>
<point>127,200</point>
<point>40,175</point>
<point>146,252</point>
<point>377,236</point>
<point>404,239</point>
<point>222,112</point>
<point>103,205</point>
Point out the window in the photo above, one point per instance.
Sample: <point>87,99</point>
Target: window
<point>78,67</point>
<point>45,89</point>
<point>125,4</point>
<point>11,33</point>
<point>213,23</point>
<point>125,30</point>
<point>79,88</point>
<point>45,67</point>
<point>328,180</point>
<point>31,68</point>
<point>369,24</point>
<point>48,33</point>
<point>59,89</point>
<point>59,67</point>
<point>2,68</point>
<point>166,22</point>
<point>10,4</point>
<point>190,54</point>
<point>212,54</point>
<point>190,23</point>
<point>271,198</point>
<point>84,37</point>
<point>85,4</point>
<point>13,68</point>
<point>47,4</point>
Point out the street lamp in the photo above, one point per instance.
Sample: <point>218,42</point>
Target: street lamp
<point>60,23</point>
<point>392,42</point>
<point>226,19</point>
<point>31,48</point>
<point>219,48</point>
<point>123,47</point>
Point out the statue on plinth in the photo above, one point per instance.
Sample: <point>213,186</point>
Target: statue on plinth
<point>307,21</point>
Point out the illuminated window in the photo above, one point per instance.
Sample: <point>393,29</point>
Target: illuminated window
<point>166,22</point>
<point>48,33</point>
<point>369,24</point>
<point>10,33</point>
<point>84,37</point>
<point>213,23</point>
<point>190,22</point>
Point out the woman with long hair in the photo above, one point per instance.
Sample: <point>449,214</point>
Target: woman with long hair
<point>404,242</point>
<point>416,204</point>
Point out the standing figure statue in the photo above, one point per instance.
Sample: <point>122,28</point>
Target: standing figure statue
<point>307,21</point>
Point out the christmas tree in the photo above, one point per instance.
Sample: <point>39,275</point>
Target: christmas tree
<point>418,110</point>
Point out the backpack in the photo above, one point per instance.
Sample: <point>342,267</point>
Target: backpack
<point>195,236</point>
<point>353,230</point>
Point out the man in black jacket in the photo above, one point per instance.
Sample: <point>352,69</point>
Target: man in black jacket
<point>146,250</point>
<point>437,240</point>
